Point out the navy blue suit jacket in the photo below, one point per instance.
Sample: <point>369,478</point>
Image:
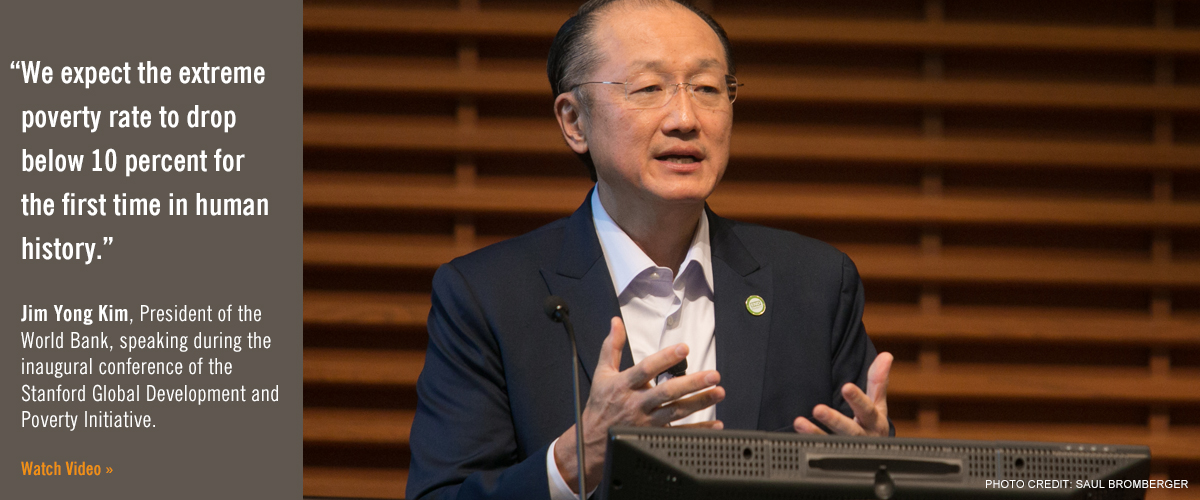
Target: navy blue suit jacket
<point>496,387</point>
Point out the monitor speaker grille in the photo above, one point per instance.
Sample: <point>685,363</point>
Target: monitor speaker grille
<point>735,457</point>
<point>717,457</point>
<point>655,481</point>
<point>1017,463</point>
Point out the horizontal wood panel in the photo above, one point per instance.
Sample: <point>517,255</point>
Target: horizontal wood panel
<point>365,19</point>
<point>964,35</point>
<point>1033,382</point>
<point>354,482</point>
<point>383,75</point>
<point>347,73</point>
<point>950,93</point>
<point>1005,324</point>
<point>345,425</point>
<point>380,250</point>
<point>362,366</point>
<point>365,308</point>
<point>873,261</point>
<point>1015,266</point>
<point>544,24</point>
<point>882,321</point>
<point>737,200</point>
<point>389,191</point>
<point>541,136</point>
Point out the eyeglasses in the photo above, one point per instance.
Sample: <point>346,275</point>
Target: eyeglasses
<point>655,90</point>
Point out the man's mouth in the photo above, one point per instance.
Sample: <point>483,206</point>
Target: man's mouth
<point>678,158</point>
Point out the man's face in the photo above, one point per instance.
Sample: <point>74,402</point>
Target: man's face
<point>675,153</point>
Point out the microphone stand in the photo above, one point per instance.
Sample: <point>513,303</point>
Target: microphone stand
<point>578,409</point>
<point>557,309</point>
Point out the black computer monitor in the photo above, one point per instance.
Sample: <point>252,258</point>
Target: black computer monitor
<point>669,464</point>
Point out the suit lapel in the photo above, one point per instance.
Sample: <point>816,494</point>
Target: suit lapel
<point>582,279</point>
<point>741,336</point>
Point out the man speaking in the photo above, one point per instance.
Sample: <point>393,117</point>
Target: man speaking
<point>769,322</point>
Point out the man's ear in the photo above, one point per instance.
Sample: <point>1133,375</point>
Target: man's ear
<point>572,121</point>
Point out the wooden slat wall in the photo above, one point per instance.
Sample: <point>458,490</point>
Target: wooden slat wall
<point>1018,181</point>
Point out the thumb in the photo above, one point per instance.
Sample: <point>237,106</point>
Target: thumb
<point>614,344</point>
<point>877,378</point>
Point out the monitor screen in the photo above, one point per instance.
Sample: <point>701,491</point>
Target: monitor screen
<point>665,464</point>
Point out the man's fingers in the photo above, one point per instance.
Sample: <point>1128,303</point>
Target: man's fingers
<point>654,364</point>
<point>864,409</point>
<point>679,409</point>
<point>838,423</point>
<point>614,343</point>
<point>678,387</point>
<point>804,426</point>
<point>877,379</point>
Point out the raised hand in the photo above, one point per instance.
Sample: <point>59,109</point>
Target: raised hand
<point>626,398</point>
<point>870,409</point>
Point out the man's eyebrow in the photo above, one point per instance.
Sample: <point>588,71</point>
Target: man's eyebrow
<point>657,65</point>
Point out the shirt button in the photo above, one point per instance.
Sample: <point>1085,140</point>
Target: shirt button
<point>653,276</point>
<point>672,321</point>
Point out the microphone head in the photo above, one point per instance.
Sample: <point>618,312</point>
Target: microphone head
<point>680,368</point>
<point>555,307</point>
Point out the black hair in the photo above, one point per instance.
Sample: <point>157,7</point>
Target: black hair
<point>572,56</point>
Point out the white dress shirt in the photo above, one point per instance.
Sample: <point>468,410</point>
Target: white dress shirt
<point>659,309</point>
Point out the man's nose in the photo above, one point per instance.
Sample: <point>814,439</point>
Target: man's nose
<point>681,115</point>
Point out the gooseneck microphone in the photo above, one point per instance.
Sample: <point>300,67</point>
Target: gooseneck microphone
<point>556,308</point>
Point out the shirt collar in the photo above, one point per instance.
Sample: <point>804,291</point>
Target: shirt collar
<point>626,260</point>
